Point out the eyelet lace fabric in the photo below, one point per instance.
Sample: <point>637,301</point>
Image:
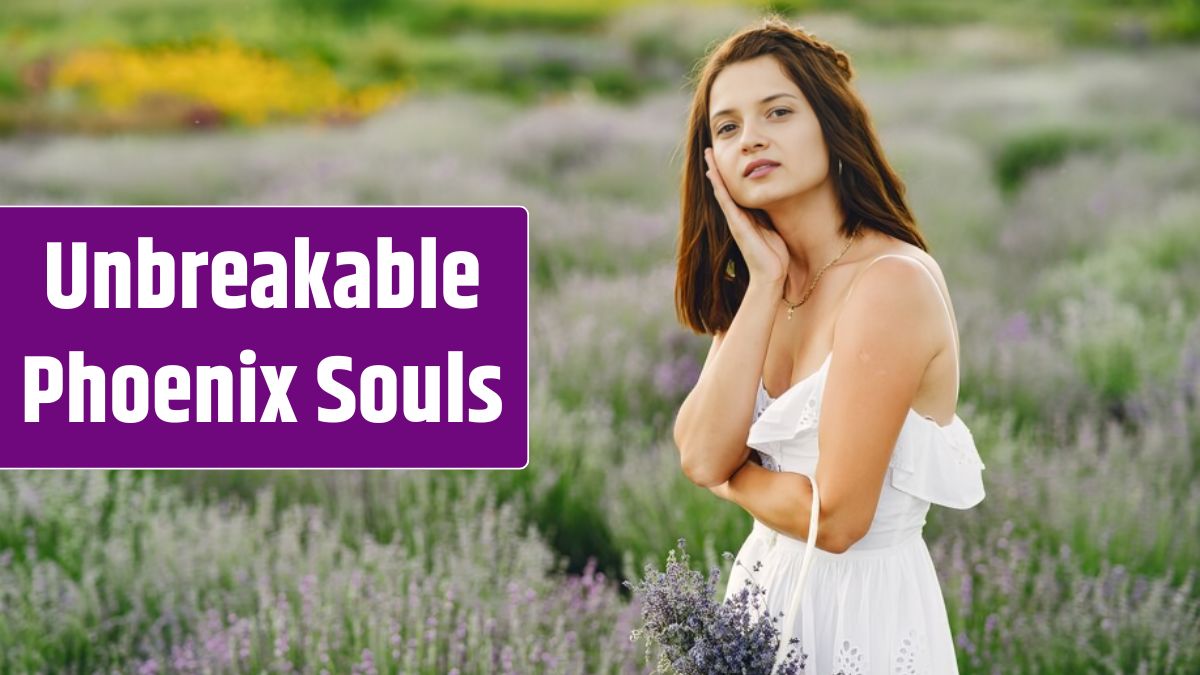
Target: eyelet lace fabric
<point>850,660</point>
<point>963,450</point>
<point>907,659</point>
<point>810,414</point>
<point>765,458</point>
<point>910,656</point>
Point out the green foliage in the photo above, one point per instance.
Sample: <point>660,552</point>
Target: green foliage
<point>1110,366</point>
<point>10,84</point>
<point>617,84</point>
<point>1030,151</point>
<point>343,10</point>
<point>455,15</point>
<point>1183,20</point>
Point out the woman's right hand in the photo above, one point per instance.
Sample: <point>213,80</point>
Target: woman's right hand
<point>764,251</point>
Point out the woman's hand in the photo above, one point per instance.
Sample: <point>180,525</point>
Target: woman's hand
<point>764,250</point>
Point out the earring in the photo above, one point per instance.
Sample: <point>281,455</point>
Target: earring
<point>730,271</point>
<point>839,167</point>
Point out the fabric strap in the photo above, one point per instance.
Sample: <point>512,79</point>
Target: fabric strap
<point>809,549</point>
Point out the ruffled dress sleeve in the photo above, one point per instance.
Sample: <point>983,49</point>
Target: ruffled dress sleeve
<point>939,464</point>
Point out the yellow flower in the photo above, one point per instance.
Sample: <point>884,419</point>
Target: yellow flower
<point>247,86</point>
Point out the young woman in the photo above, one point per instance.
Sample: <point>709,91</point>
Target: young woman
<point>834,357</point>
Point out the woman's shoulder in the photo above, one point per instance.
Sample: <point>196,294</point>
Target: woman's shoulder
<point>883,246</point>
<point>896,276</point>
<point>913,282</point>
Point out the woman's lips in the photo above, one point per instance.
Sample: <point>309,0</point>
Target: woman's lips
<point>761,171</point>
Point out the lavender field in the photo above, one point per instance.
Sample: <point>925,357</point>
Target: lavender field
<point>1059,187</point>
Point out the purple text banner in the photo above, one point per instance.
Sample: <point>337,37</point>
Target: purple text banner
<point>266,337</point>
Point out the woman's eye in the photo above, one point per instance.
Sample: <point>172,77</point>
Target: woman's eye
<point>721,129</point>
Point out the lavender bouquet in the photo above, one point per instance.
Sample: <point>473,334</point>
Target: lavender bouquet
<point>698,635</point>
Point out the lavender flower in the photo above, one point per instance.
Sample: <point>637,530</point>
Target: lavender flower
<point>696,633</point>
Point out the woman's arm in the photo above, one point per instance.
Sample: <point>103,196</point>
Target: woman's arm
<point>714,420</point>
<point>877,368</point>
<point>782,500</point>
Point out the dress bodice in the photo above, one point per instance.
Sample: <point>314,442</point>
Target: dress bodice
<point>930,463</point>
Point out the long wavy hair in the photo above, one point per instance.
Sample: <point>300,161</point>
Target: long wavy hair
<point>869,191</point>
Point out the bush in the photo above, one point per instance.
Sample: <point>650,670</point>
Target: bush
<point>1039,149</point>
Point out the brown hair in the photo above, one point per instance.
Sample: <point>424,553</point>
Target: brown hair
<point>869,191</point>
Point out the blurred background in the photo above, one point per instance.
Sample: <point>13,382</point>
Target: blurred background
<point>1052,157</point>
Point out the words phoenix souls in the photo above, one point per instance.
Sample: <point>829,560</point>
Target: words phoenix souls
<point>266,281</point>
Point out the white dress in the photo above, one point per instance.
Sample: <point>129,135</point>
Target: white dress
<point>877,607</point>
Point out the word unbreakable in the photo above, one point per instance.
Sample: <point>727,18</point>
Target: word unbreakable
<point>230,273</point>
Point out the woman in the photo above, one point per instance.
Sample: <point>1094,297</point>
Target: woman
<point>834,355</point>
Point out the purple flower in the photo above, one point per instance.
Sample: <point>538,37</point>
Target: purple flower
<point>1015,329</point>
<point>695,633</point>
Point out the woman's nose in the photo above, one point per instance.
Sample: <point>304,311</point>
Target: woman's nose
<point>752,138</point>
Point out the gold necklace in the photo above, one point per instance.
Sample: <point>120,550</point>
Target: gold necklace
<point>791,307</point>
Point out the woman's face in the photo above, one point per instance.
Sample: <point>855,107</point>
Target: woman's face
<point>757,113</point>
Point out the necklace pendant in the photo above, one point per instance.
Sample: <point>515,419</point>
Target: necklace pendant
<point>790,310</point>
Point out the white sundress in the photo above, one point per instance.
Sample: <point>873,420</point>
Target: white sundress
<point>878,607</point>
